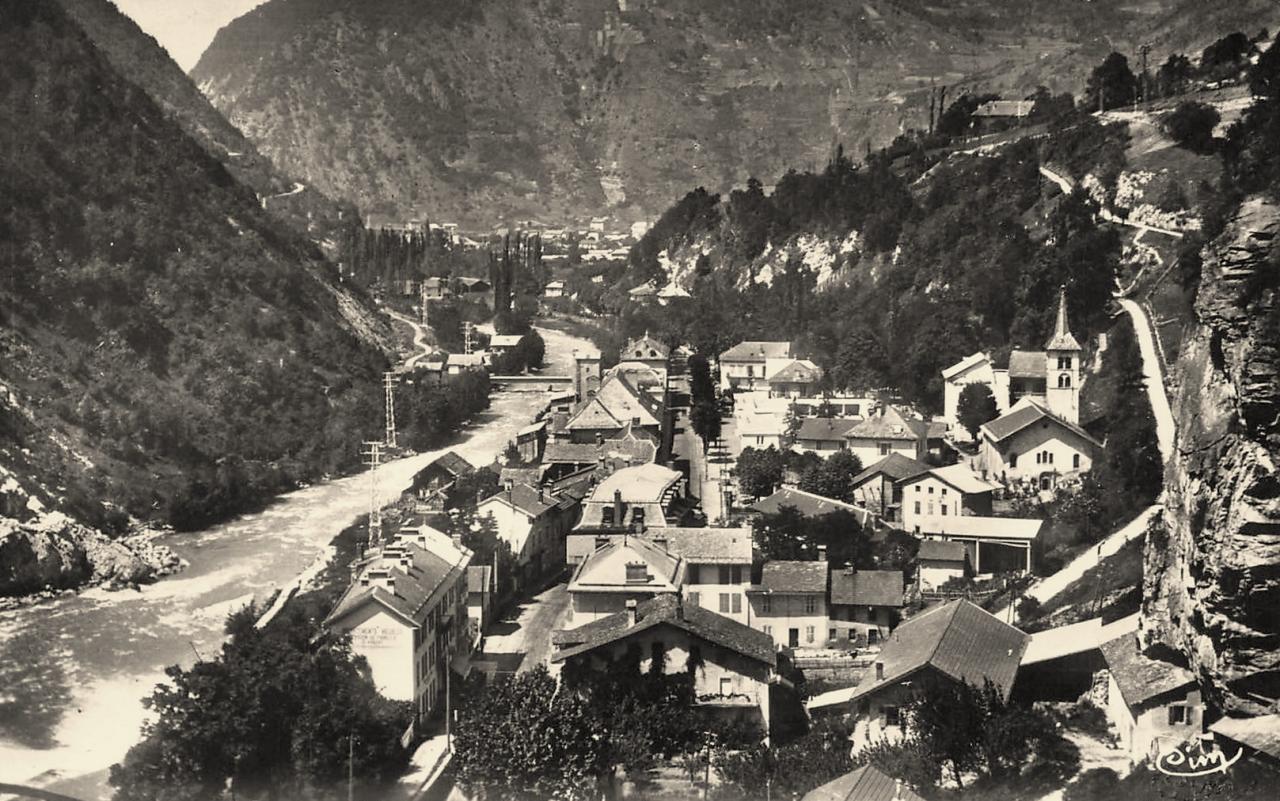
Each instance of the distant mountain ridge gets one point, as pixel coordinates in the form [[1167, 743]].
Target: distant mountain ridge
[[479, 110]]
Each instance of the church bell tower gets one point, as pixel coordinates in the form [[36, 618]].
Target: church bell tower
[[1062, 367]]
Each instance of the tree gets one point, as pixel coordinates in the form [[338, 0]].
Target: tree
[[1264, 77], [705, 418], [1191, 125], [1111, 84], [1225, 56], [833, 478], [790, 535], [760, 471], [700, 386], [976, 407], [1174, 74], [791, 426]]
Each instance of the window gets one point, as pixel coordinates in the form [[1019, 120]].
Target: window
[[810, 605], [637, 518], [944, 490], [930, 490], [724, 574], [943, 507], [853, 411], [917, 487], [751, 371], [891, 716], [884, 449], [1064, 362], [1075, 461], [917, 507], [695, 599], [1064, 381], [1013, 460], [766, 604], [724, 603], [1179, 715], [873, 636], [1039, 457], [606, 515], [726, 685], [737, 604], [931, 508], [694, 574], [831, 634], [637, 573], [768, 630], [735, 574], [808, 634]]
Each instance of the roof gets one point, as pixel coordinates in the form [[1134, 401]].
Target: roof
[[604, 569], [1075, 638], [728, 546], [797, 371], [890, 425], [525, 498], [1004, 108], [957, 476], [466, 359], [1261, 733], [964, 365], [505, 340], [480, 578], [867, 587], [644, 290], [453, 463], [808, 504], [618, 401], [667, 610], [756, 351], [1061, 338], [1026, 413], [532, 428], [644, 483], [867, 783], [942, 551], [1027, 363], [413, 586], [646, 347], [825, 428], [1139, 677], [996, 528], [593, 415], [786, 576], [895, 466], [957, 639]]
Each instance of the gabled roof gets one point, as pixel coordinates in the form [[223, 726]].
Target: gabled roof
[[646, 347], [957, 639], [1261, 733], [1004, 108], [524, 498], [707, 546], [808, 504], [756, 351], [894, 466], [453, 463], [504, 340], [867, 587], [604, 569], [1027, 364], [593, 415], [795, 371], [957, 476], [1024, 413], [466, 359], [978, 527], [964, 365], [867, 783], [942, 551], [890, 425], [825, 429], [1139, 677], [414, 585], [786, 576], [644, 483], [618, 401], [669, 610]]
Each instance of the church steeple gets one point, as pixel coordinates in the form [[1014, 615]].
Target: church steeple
[[1062, 339]]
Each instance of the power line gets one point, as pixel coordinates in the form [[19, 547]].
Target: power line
[[372, 453], [389, 387]]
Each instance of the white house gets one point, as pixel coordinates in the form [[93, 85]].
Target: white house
[[534, 523], [629, 568], [1030, 445], [790, 603], [944, 491], [1151, 703], [742, 367], [939, 561]]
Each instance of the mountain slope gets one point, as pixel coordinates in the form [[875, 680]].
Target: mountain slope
[[475, 109], [169, 350]]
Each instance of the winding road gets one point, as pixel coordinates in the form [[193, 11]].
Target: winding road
[[419, 337]]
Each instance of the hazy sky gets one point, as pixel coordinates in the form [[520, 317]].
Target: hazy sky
[[185, 27]]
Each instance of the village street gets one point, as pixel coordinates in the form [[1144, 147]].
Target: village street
[[522, 638]]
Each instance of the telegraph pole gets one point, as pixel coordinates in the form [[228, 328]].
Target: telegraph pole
[[467, 343], [389, 386], [1143, 51], [373, 457]]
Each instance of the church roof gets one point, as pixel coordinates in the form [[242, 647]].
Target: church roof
[[1062, 339]]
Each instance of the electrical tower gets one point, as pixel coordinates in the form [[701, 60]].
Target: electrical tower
[[389, 385], [422, 300], [372, 453], [467, 343]]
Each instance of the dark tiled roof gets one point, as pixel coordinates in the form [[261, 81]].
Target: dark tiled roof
[[640, 348], [784, 576], [895, 466], [942, 550], [525, 498], [1010, 423], [825, 428], [799, 371], [414, 585], [520, 475], [957, 639], [808, 504], [1139, 677], [867, 783], [453, 463], [867, 587], [1027, 364], [708, 546], [668, 609], [1261, 733]]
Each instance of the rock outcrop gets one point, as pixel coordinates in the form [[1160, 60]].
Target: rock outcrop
[[1212, 589]]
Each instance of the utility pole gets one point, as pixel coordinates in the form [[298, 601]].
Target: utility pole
[[467, 343], [389, 387], [373, 457], [1143, 51], [422, 299], [351, 767]]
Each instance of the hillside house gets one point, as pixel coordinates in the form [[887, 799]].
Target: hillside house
[[459, 363], [1031, 446], [878, 488], [944, 492], [631, 568], [939, 561], [890, 431], [431, 484], [732, 664], [790, 602], [554, 289], [866, 605], [742, 367], [534, 523], [994, 544], [1150, 702], [501, 344], [435, 288]]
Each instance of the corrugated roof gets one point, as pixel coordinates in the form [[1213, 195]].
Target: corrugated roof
[[959, 640], [667, 610], [808, 504], [1260, 733], [867, 587], [1139, 677], [825, 429], [756, 351], [1001, 528], [1025, 413], [1027, 364], [645, 483], [942, 551], [867, 783], [895, 466], [786, 576]]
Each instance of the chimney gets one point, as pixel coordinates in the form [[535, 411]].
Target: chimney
[[822, 553], [659, 540], [631, 612], [617, 506], [542, 495], [897, 790], [879, 671], [635, 421], [456, 539]]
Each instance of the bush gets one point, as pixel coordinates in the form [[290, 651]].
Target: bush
[[1191, 125]]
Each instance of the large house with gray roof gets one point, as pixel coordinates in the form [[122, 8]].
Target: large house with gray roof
[[866, 605], [790, 602], [742, 367], [534, 522], [630, 568], [1030, 445]]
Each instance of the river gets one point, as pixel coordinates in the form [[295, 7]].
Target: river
[[73, 673]]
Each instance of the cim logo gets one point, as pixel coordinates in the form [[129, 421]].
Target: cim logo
[[1190, 759]]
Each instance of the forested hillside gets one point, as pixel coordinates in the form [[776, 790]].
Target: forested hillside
[[170, 351], [471, 110]]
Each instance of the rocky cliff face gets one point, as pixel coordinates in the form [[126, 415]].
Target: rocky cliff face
[[1213, 588]]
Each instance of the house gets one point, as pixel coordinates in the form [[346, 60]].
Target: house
[[999, 115], [1064, 663], [939, 561], [1258, 737], [742, 367], [435, 288], [406, 614], [481, 589], [645, 293], [867, 783], [976, 368], [866, 605], [667, 293], [718, 563], [791, 378], [647, 495], [944, 491], [823, 435], [1150, 702], [630, 568], [809, 504], [615, 406], [554, 289], [889, 431], [856, 407], [530, 441], [597, 224], [954, 642], [504, 343], [732, 664], [879, 488], [563, 458], [790, 602], [759, 419], [643, 379], [431, 484], [647, 351], [474, 285], [586, 372], [534, 523], [994, 544], [1030, 445], [459, 363]]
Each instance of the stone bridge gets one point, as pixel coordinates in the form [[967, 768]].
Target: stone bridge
[[532, 383]]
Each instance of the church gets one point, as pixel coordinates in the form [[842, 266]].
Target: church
[[1037, 439]]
